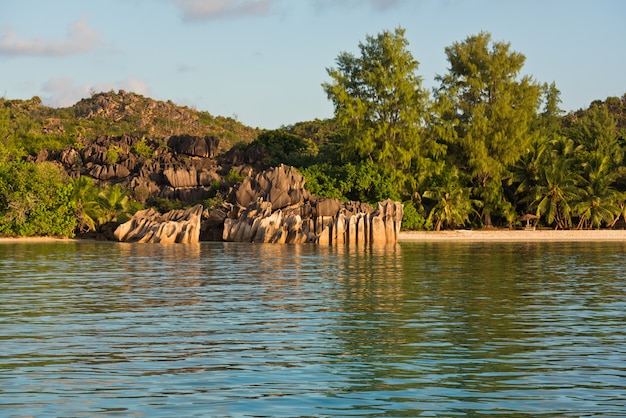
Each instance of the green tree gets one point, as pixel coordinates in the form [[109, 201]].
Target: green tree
[[95, 206], [9, 149], [596, 130], [285, 147], [379, 101], [486, 110], [115, 204], [362, 181]]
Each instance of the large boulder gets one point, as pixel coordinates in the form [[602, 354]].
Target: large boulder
[[177, 226], [181, 176], [282, 186], [194, 145]]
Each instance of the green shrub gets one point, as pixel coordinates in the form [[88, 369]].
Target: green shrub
[[412, 218], [234, 177], [36, 199], [362, 181], [113, 154], [142, 148]]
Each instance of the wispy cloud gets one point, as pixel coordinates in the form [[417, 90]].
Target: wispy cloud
[[375, 4], [195, 10], [63, 92], [80, 38], [204, 10]]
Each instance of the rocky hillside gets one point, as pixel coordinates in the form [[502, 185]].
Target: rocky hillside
[[115, 114], [141, 116]]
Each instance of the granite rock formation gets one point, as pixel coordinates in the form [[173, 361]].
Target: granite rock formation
[[274, 207], [177, 226]]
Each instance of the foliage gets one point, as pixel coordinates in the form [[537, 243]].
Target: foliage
[[96, 206], [35, 199], [362, 181], [234, 177], [557, 186], [451, 203], [284, 147], [113, 154], [412, 219], [165, 205], [597, 201], [485, 112], [142, 148], [379, 100]]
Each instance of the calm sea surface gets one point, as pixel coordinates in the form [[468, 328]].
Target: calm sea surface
[[220, 329]]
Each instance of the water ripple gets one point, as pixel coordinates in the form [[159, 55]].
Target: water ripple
[[266, 330]]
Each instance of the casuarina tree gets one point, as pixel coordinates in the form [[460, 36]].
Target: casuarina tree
[[486, 110]]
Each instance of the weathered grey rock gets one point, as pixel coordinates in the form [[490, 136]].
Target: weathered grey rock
[[194, 145], [208, 177], [274, 207], [70, 158], [282, 186], [181, 176], [177, 226], [109, 172]]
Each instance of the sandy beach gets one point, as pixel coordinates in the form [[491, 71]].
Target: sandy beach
[[513, 235]]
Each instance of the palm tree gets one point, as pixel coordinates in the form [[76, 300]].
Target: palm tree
[[96, 206], [115, 204], [598, 201], [526, 174], [453, 205], [87, 206], [558, 185]]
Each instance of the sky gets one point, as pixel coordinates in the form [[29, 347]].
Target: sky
[[263, 62]]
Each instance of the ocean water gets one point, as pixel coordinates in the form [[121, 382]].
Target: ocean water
[[224, 329]]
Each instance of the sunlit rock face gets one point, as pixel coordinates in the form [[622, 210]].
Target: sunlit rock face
[[177, 226], [274, 207], [271, 207]]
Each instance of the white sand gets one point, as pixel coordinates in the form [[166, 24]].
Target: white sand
[[514, 235]]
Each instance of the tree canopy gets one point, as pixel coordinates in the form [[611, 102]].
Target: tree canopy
[[486, 111], [379, 101]]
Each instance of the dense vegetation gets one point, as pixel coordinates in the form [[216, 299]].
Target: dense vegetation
[[486, 146], [489, 146], [40, 199]]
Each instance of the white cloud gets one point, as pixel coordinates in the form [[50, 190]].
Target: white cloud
[[211, 9], [62, 92], [80, 38]]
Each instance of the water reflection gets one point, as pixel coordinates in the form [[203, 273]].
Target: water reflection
[[232, 329]]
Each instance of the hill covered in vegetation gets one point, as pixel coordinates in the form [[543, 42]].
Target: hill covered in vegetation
[[27, 126]]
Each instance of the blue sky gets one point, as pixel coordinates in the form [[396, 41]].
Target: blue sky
[[263, 61]]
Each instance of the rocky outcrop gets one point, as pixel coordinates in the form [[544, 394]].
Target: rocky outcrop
[[186, 169], [193, 145], [274, 207], [177, 226]]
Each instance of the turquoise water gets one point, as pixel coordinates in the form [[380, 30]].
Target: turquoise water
[[222, 329]]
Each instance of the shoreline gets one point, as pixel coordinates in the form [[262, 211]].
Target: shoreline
[[505, 235], [459, 235]]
